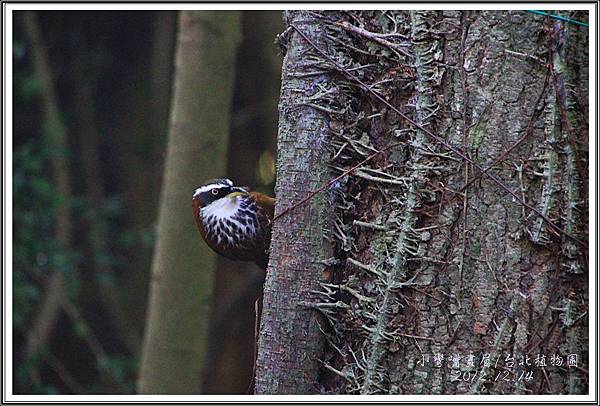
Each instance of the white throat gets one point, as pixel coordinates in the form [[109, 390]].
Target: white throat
[[224, 208]]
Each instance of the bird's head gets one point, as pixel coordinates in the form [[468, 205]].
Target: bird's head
[[215, 190]]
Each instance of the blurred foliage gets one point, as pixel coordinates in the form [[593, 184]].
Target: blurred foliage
[[118, 54], [82, 344], [35, 204], [36, 255]]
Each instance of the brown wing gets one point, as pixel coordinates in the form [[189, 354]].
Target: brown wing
[[266, 202], [265, 213], [196, 210]]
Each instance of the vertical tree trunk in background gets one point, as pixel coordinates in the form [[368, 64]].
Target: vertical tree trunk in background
[[137, 133], [290, 341], [142, 131], [230, 357], [437, 266], [55, 134], [165, 26], [174, 342]]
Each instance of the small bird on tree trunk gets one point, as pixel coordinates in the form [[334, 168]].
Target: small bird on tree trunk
[[234, 222]]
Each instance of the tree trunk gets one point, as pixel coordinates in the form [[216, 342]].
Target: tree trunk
[[174, 342], [461, 245], [290, 341]]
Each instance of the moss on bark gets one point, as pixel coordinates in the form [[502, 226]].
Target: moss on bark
[[434, 261]]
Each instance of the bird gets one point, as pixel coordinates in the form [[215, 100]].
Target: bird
[[234, 221]]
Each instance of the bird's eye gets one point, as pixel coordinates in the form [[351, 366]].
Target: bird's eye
[[214, 192]]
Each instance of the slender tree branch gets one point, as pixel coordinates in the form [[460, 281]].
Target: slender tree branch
[[46, 318], [378, 38], [65, 375]]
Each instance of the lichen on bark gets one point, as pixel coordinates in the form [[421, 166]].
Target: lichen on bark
[[290, 342], [431, 257]]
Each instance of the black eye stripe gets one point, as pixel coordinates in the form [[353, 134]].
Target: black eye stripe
[[221, 192]]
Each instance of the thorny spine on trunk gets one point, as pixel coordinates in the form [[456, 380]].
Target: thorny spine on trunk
[[381, 230]]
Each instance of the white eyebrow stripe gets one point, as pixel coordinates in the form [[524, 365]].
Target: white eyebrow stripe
[[206, 188]]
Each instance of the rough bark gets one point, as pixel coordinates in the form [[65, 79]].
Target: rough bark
[[174, 342], [506, 267], [435, 260], [290, 342]]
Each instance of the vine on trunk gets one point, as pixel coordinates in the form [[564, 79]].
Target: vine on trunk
[[394, 230]]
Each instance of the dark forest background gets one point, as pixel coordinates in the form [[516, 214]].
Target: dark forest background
[[112, 75]]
